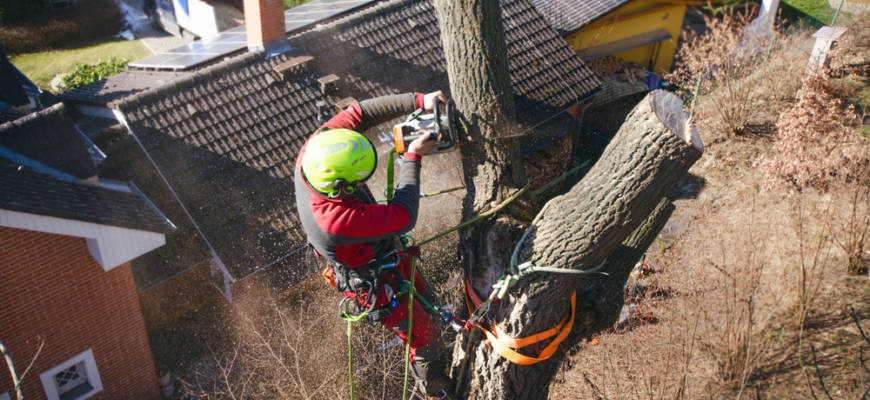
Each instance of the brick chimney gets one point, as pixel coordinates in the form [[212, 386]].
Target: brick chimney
[[264, 23]]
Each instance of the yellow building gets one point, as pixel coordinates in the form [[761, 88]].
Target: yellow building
[[641, 31]]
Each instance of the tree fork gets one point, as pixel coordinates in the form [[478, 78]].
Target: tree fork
[[653, 149], [619, 265]]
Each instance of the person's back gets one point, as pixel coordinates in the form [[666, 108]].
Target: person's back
[[357, 236]]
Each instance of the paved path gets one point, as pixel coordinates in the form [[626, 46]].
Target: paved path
[[155, 40]]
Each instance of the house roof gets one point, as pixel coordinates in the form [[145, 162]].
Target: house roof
[[12, 83], [25, 189], [49, 136], [569, 16], [10, 115], [226, 137], [396, 46], [118, 86]]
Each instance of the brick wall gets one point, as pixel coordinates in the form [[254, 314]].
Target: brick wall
[[264, 21], [52, 287]]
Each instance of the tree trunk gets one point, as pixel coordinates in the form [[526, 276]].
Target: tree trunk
[[473, 39], [577, 230], [581, 229]]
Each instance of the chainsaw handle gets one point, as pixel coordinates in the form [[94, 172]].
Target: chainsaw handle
[[437, 118]]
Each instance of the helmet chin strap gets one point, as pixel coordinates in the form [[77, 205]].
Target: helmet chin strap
[[342, 186]]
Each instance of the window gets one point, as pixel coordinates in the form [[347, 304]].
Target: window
[[73, 379], [4, 396]]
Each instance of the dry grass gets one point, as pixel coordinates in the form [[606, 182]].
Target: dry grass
[[754, 300], [296, 348], [736, 312]]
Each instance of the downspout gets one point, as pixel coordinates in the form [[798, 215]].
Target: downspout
[[123, 120]]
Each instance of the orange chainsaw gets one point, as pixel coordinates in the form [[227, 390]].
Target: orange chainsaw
[[441, 125]]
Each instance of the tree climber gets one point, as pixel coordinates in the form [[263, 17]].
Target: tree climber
[[358, 237]]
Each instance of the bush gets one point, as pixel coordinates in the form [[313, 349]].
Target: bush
[[62, 28], [822, 146], [716, 64], [818, 142], [88, 73]]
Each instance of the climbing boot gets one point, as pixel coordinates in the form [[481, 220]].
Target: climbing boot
[[429, 368], [436, 388]]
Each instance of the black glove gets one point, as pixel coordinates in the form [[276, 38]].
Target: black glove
[[352, 279]]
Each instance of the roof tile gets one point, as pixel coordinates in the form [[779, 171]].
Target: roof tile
[[568, 17], [26, 190], [50, 137], [232, 161]]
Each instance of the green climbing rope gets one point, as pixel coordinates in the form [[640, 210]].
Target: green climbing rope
[[411, 291], [694, 97], [350, 318], [478, 217], [350, 356], [430, 194], [391, 172]]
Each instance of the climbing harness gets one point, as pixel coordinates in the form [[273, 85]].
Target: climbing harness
[[352, 310], [502, 343]]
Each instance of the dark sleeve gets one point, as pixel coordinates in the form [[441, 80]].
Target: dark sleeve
[[382, 109], [408, 189], [368, 113]]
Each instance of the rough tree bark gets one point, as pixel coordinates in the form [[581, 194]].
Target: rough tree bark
[[583, 228], [588, 225], [473, 39]]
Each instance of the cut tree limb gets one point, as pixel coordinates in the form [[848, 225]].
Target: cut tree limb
[[653, 149]]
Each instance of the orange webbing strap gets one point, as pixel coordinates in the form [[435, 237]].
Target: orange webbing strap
[[471, 299], [506, 346]]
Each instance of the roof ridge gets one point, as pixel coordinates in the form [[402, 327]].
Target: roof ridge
[[58, 108], [193, 79]]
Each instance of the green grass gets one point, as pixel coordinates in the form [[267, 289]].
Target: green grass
[[817, 12], [42, 67], [294, 3]]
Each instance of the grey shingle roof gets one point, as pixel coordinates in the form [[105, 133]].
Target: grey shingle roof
[[9, 116], [118, 86], [396, 47], [568, 16], [226, 137], [50, 137], [26, 190]]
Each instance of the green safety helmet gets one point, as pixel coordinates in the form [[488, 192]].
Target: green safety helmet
[[336, 159]]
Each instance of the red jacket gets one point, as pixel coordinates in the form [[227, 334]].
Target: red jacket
[[353, 230]]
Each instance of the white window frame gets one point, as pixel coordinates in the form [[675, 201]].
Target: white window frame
[[91, 372]]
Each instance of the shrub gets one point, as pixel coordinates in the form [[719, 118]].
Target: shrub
[[716, 64], [821, 146], [88, 73], [818, 142]]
